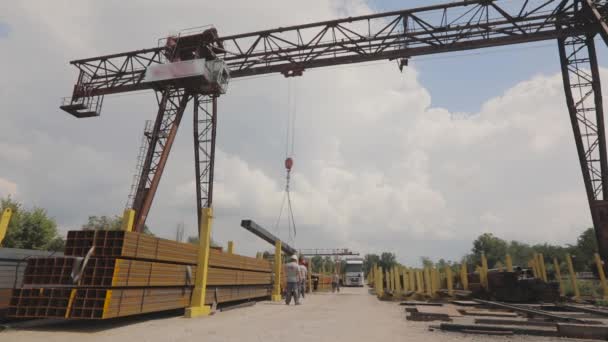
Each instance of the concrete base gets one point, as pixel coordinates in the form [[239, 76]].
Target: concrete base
[[277, 298], [197, 311]]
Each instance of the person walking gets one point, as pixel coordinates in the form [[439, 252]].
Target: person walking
[[335, 283], [292, 272], [303, 276]]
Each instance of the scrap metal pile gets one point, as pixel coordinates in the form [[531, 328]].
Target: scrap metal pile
[[107, 274]]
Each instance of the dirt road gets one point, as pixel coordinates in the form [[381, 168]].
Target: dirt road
[[352, 315]]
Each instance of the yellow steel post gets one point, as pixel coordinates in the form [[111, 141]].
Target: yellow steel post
[[309, 274], [397, 288], [420, 281], [558, 275], [532, 264], [412, 279], [437, 277], [449, 280], [4, 220], [379, 286], [600, 272], [230, 247], [197, 304], [464, 278], [278, 268], [434, 283], [541, 264], [509, 263], [387, 276], [427, 282], [577, 293], [404, 273], [484, 270], [128, 218]]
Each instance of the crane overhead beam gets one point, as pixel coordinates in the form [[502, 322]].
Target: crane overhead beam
[[199, 66], [402, 34]]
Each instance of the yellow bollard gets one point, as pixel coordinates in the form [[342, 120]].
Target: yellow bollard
[[427, 282], [128, 218], [577, 293], [509, 263], [412, 279], [197, 304], [4, 220], [558, 275], [449, 280], [464, 277], [230, 247], [278, 268], [484, 270], [541, 267], [600, 272]]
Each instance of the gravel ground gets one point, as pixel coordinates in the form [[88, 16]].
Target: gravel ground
[[351, 315]]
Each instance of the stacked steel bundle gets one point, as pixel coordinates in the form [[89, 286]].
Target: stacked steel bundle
[[106, 274]]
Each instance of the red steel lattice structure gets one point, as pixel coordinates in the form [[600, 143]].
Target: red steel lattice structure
[[398, 35]]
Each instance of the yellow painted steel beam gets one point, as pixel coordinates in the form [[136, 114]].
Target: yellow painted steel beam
[[509, 263], [406, 280], [449, 280], [309, 274], [4, 221], [230, 247], [434, 281], [427, 282], [542, 269], [378, 285], [197, 304], [278, 266], [484, 271], [128, 218], [600, 272], [398, 287], [558, 275], [464, 279], [577, 293], [420, 281]]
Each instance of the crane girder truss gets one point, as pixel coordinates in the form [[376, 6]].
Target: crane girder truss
[[398, 35]]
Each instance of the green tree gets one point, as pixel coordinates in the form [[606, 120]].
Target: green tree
[[426, 261], [582, 253], [520, 253], [317, 262], [29, 229], [387, 260], [494, 248], [369, 260]]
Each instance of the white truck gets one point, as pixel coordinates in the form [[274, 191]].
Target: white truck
[[352, 272]]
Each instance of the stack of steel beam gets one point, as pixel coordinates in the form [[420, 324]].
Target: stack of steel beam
[[12, 266], [107, 274]]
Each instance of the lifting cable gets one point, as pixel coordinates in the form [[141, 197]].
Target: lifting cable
[[289, 153]]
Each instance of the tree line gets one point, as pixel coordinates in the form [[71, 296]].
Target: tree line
[[496, 249]]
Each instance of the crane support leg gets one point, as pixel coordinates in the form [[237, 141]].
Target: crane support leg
[[584, 100], [171, 106], [205, 123]]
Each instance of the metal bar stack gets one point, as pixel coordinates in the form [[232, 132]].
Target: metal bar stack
[[108, 274]]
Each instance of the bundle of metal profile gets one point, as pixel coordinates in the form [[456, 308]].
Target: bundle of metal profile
[[91, 303], [104, 272], [112, 274], [12, 266]]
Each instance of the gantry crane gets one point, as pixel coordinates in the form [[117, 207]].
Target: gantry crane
[[196, 67]]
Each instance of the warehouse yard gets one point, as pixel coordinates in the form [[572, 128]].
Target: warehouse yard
[[351, 315]]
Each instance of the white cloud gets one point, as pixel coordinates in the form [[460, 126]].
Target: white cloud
[[7, 188]]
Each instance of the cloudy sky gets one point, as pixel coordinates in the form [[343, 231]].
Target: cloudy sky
[[418, 163]]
